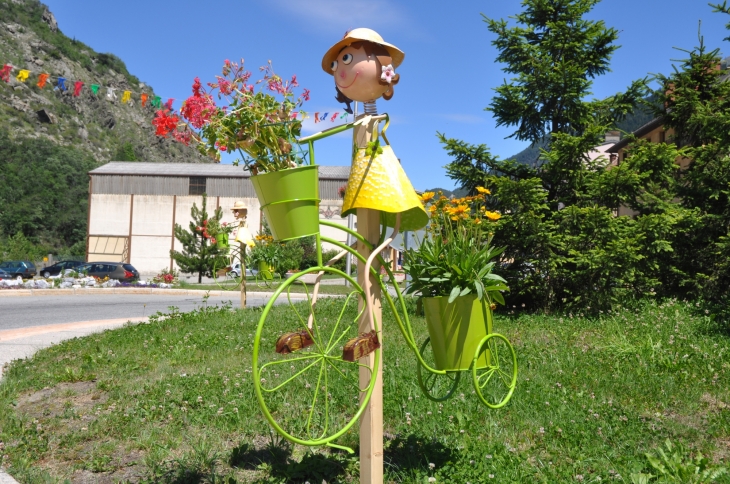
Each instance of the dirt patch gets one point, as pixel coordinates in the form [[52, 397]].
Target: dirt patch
[[713, 404], [81, 397]]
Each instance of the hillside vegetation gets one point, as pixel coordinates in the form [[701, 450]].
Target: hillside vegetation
[[45, 156]]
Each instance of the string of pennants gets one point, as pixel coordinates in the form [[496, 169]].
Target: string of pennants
[[63, 84]]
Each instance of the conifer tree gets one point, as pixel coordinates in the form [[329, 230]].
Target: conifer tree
[[198, 254]]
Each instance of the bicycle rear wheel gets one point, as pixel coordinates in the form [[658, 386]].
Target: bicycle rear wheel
[[496, 382]]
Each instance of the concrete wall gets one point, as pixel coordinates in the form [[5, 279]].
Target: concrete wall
[[154, 216]]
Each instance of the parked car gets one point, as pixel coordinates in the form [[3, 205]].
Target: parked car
[[22, 268], [60, 267], [5, 275], [113, 270], [236, 271]]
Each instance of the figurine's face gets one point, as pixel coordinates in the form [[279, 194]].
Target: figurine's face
[[357, 76], [240, 214]]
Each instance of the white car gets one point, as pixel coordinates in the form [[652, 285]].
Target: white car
[[236, 271]]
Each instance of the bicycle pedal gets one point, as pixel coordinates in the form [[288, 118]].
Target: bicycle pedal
[[291, 342], [360, 346]]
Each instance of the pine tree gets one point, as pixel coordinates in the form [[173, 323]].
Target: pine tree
[[198, 254]]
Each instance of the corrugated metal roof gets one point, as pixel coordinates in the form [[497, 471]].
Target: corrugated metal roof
[[199, 169]]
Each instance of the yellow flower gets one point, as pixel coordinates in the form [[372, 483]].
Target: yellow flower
[[484, 190], [459, 210], [432, 208], [426, 196], [492, 215], [477, 221]]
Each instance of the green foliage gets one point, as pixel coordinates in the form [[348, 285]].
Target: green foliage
[[456, 257], [554, 53], [44, 191], [675, 465], [199, 255], [18, 247], [125, 152], [290, 257], [565, 245]]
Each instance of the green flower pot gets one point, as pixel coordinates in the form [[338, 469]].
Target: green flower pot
[[265, 267], [290, 201], [221, 240], [456, 329]]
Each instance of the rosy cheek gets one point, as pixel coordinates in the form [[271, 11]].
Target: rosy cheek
[[342, 74]]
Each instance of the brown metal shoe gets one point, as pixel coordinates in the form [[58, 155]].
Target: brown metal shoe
[[290, 342], [360, 346]]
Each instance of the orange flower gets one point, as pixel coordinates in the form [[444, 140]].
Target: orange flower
[[477, 221], [484, 190], [492, 215], [432, 208], [426, 196]]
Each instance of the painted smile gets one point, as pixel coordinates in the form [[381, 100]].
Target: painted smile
[[353, 81]]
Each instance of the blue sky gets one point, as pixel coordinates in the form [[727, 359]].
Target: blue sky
[[446, 79]]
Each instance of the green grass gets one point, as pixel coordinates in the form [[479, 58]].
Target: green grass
[[173, 402], [258, 286]]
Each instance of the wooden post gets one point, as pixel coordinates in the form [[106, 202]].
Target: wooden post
[[243, 275], [371, 422]]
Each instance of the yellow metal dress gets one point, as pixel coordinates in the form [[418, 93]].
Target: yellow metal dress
[[378, 182]]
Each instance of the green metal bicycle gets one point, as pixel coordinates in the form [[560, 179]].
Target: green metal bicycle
[[309, 389]]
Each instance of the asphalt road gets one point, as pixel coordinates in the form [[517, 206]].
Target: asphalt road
[[29, 311]]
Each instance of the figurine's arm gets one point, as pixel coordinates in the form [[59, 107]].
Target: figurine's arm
[[339, 129]]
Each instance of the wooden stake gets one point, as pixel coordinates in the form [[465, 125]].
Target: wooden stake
[[243, 275], [371, 422]]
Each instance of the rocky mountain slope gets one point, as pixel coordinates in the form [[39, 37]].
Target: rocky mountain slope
[[30, 38]]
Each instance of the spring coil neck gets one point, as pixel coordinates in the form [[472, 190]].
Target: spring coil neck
[[370, 108]]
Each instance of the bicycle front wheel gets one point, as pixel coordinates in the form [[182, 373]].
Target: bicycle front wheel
[[309, 392]]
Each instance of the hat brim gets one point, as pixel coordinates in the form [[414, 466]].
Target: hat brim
[[395, 53]]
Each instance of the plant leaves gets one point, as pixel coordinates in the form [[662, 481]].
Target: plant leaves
[[454, 293]]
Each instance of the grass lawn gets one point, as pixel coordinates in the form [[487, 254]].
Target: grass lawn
[[173, 402], [253, 286]]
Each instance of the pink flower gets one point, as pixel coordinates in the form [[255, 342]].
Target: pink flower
[[212, 240], [198, 108], [305, 95], [294, 82], [388, 73], [225, 224]]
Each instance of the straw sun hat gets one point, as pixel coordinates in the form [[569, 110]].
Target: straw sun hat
[[356, 35], [239, 205]]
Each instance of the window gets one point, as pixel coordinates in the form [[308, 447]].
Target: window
[[197, 185]]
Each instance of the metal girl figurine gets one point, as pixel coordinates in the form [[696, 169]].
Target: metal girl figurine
[[363, 66]]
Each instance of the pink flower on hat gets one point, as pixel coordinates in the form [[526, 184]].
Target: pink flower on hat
[[388, 73]]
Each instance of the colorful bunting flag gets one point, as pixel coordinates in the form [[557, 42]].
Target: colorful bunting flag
[[324, 117], [143, 97], [157, 102], [110, 94], [334, 116], [94, 88], [344, 115], [61, 83], [23, 75], [5, 72], [316, 118], [126, 97], [169, 102], [42, 79], [77, 88]]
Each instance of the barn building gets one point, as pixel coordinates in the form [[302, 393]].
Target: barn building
[[134, 206]]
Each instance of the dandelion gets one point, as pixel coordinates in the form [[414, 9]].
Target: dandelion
[[431, 465]]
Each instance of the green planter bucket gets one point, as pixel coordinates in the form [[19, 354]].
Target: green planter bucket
[[456, 329], [221, 240], [265, 267], [290, 201]]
